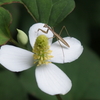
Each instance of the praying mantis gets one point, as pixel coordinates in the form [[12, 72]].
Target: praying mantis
[[55, 34]]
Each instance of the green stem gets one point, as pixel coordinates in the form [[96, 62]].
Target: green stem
[[16, 43], [58, 97]]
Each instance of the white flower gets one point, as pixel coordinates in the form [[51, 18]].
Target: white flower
[[49, 77]]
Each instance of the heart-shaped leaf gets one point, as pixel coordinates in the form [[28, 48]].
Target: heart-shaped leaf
[[49, 11]]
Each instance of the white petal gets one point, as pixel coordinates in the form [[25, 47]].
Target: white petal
[[64, 54], [33, 33], [15, 59], [52, 80]]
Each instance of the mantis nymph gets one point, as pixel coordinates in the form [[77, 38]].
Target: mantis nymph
[[55, 34]]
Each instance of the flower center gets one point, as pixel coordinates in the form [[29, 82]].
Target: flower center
[[42, 50]]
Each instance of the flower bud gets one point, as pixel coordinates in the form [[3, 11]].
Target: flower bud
[[22, 37]]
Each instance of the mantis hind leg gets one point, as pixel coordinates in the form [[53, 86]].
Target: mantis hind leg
[[62, 50], [64, 27], [59, 41]]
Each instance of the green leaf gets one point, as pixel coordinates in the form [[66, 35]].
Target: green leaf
[[10, 87], [5, 20], [50, 12], [15, 13]]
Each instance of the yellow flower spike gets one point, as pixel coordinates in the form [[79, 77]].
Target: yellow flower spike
[[45, 58], [49, 51], [41, 50], [41, 58], [50, 56]]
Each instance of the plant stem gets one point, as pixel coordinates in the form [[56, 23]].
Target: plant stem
[[14, 42], [58, 97]]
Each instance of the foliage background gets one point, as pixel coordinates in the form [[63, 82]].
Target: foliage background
[[84, 24]]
